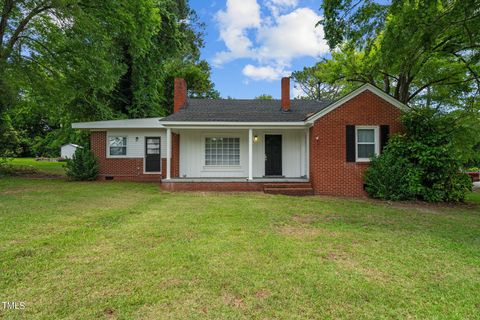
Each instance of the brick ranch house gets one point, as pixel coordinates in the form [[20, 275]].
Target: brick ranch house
[[278, 146]]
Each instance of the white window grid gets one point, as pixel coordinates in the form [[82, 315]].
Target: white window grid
[[222, 151]]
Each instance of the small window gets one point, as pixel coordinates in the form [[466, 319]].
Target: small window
[[222, 151], [367, 143], [117, 146]]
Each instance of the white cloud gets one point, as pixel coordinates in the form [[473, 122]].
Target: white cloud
[[285, 3], [272, 40], [267, 73], [239, 16], [294, 35], [277, 6]]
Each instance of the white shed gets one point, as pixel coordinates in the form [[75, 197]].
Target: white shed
[[67, 150]]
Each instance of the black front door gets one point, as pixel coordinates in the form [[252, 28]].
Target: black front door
[[273, 155], [152, 154]]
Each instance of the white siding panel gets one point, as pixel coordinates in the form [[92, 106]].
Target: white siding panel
[[293, 152], [136, 149], [192, 154]]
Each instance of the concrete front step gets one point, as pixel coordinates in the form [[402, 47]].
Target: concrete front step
[[290, 191]]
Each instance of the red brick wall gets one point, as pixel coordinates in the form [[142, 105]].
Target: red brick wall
[[330, 173], [179, 94], [130, 169], [175, 162], [286, 93], [213, 186], [164, 168]]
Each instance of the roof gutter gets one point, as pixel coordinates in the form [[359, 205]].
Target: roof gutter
[[212, 124]]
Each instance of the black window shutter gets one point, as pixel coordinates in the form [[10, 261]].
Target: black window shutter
[[350, 143], [384, 135]]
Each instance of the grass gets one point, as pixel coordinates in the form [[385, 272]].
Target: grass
[[43, 166], [126, 250]]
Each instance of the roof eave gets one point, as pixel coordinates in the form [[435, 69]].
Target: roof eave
[[147, 123], [216, 124]]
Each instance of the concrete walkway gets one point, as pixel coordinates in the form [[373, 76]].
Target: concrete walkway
[[476, 185]]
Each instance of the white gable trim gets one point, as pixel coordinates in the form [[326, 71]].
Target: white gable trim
[[120, 124], [352, 95]]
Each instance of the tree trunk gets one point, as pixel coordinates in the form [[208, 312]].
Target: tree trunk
[[402, 89], [386, 83]]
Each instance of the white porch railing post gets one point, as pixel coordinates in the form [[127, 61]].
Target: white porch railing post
[[250, 154], [169, 152], [307, 152]]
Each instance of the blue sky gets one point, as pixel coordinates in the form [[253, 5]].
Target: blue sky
[[251, 44]]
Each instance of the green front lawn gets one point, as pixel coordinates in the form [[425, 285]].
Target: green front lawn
[[127, 250], [43, 166]]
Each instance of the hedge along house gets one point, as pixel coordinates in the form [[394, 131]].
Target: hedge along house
[[278, 146]]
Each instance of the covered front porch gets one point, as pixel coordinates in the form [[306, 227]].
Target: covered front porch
[[218, 154]]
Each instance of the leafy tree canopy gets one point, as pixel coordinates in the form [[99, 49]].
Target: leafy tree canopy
[[80, 60], [422, 52]]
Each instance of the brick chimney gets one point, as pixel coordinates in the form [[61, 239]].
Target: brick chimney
[[179, 94], [285, 94]]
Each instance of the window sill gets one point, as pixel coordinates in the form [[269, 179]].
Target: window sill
[[364, 161]]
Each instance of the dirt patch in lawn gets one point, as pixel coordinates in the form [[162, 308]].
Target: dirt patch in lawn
[[306, 218], [348, 262], [233, 300], [263, 294], [109, 313], [301, 231], [303, 227]]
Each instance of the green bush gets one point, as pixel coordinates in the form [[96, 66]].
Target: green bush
[[83, 166], [424, 163], [391, 177]]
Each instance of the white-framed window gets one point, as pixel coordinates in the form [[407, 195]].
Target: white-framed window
[[222, 151], [117, 146], [367, 142]]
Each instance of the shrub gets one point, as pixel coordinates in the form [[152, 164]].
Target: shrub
[[424, 163], [83, 166], [391, 177]]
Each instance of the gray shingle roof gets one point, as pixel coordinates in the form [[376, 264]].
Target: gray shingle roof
[[231, 110]]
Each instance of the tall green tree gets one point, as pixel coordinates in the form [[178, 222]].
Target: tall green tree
[[425, 51], [60, 56], [320, 82], [145, 89], [81, 60]]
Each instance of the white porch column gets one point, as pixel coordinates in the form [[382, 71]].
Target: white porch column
[[169, 152], [307, 152], [250, 154]]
